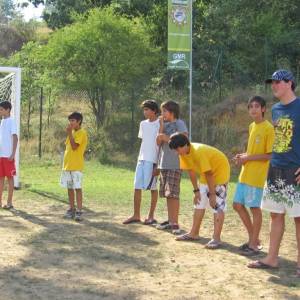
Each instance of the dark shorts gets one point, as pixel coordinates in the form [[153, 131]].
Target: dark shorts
[[282, 194], [169, 183], [7, 167]]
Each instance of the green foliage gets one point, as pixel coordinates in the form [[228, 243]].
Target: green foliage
[[101, 54]]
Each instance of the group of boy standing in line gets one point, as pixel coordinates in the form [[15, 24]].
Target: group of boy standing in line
[[269, 177]]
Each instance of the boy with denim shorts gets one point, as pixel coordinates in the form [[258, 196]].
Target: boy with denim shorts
[[213, 167], [8, 146], [255, 164], [170, 173], [145, 178], [71, 177]]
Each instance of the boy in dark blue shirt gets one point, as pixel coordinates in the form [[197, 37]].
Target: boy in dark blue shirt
[[282, 194]]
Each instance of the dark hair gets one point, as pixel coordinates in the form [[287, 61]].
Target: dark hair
[[172, 107], [293, 86], [6, 105], [178, 140], [151, 104], [260, 100], [76, 116]]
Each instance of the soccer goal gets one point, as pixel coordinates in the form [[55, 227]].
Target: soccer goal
[[10, 90]]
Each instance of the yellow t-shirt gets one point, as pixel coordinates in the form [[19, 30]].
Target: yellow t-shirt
[[203, 158], [73, 159], [261, 139]]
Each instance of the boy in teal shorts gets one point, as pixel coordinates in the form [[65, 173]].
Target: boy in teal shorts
[[255, 164]]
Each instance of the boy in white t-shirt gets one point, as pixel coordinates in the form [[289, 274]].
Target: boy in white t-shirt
[[8, 146], [145, 178]]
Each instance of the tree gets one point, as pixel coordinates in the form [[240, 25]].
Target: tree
[[101, 54], [29, 58]]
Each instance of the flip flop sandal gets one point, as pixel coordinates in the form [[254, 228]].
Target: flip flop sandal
[[7, 207], [212, 244], [150, 222], [186, 237], [131, 221], [260, 265], [249, 251], [246, 245]]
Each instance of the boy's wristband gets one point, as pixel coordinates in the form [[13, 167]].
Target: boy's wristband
[[196, 190]]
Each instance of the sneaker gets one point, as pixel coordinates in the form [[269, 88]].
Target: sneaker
[[164, 226], [70, 213], [78, 216], [176, 229]]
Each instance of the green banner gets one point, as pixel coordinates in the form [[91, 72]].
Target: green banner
[[179, 34]]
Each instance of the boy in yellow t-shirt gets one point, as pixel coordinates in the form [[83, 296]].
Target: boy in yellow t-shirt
[[213, 167], [255, 164], [71, 177]]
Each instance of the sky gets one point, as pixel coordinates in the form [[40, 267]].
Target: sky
[[31, 12]]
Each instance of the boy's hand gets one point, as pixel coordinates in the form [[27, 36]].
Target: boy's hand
[[162, 137], [155, 172], [243, 158], [161, 120], [197, 198], [212, 200], [69, 129]]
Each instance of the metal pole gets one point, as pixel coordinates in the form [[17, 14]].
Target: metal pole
[[41, 123], [191, 70]]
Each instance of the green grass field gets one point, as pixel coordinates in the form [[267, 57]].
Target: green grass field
[[44, 256]]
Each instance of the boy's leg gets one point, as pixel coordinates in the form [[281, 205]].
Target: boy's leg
[[276, 234], [197, 220], [10, 190], [1, 189], [137, 198], [218, 225], [173, 210], [245, 217], [297, 224], [79, 199], [257, 221], [71, 195], [154, 197]]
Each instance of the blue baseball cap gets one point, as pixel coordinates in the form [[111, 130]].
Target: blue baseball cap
[[281, 75]]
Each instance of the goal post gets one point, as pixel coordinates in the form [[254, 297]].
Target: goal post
[[10, 90]]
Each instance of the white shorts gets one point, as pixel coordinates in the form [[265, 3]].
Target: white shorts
[[143, 179], [221, 196], [282, 194], [71, 179], [270, 205]]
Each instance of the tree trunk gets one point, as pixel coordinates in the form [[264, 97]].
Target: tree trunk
[[97, 100]]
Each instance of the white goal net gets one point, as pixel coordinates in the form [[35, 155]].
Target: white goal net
[[10, 90]]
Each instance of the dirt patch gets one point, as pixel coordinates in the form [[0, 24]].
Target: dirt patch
[[43, 256]]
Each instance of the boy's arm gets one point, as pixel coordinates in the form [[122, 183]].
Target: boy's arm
[[14, 148], [194, 181], [160, 131], [211, 188], [242, 159], [74, 145]]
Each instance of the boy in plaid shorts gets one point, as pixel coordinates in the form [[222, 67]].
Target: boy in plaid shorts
[[213, 167], [168, 164]]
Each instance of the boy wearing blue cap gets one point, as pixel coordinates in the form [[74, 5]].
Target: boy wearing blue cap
[[282, 194]]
